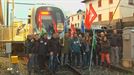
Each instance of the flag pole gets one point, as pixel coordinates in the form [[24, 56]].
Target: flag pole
[[64, 31], [91, 54]]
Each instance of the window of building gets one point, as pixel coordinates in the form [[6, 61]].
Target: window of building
[[72, 18], [131, 2], [99, 17], [110, 16], [78, 17], [110, 1], [78, 25], [99, 3], [75, 25], [29, 21]]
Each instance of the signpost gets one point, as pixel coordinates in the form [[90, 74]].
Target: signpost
[[8, 48], [8, 51]]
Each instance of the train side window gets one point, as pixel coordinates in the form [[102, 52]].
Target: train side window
[[29, 15], [29, 21]]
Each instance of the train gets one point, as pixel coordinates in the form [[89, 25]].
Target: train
[[41, 18], [44, 18]]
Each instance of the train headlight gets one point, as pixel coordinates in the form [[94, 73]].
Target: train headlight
[[45, 13]]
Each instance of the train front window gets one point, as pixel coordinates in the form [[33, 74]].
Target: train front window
[[58, 16], [46, 20]]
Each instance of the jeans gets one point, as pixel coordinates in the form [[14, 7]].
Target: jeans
[[64, 59], [41, 61], [53, 63], [32, 62], [76, 58], [115, 55], [86, 58]]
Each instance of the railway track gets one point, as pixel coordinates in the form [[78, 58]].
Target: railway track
[[121, 69], [99, 70], [74, 70]]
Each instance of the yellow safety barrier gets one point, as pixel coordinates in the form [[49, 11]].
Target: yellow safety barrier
[[127, 63], [14, 60]]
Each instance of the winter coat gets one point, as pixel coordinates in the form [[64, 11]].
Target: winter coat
[[43, 47], [66, 45], [54, 46], [105, 46], [114, 40], [75, 45], [28, 46], [35, 47]]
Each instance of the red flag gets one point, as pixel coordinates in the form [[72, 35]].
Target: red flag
[[55, 26], [90, 16], [92, 11], [87, 18], [40, 22], [73, 30]]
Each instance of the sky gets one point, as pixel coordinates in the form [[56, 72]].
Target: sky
[[68, 6]]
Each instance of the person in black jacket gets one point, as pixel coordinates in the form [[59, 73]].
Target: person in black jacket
[[42, 52], [28, 46], [35, 49], [54, 51], [115, 43]]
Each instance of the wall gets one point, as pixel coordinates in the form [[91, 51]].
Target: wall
[[124, 9], [76, 21]]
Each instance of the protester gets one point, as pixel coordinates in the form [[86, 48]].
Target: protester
[[75, 48], [54, 50], [87, 50], [65, 49], [29, 45], [114, 39], [105, 48], [42, 52]]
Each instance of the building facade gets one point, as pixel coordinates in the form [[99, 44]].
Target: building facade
[[111, 11], [76, 19]]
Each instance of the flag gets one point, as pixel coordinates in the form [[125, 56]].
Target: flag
[[40, 23], [90, 16], [65, 29], [94, 41], [54, 26], [43, 32], [82, 26], [92, 11], [65, 25], [73, 30], [87, 18], [50, 30]]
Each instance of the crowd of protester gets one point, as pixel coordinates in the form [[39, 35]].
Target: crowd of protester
[[76, 51]]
